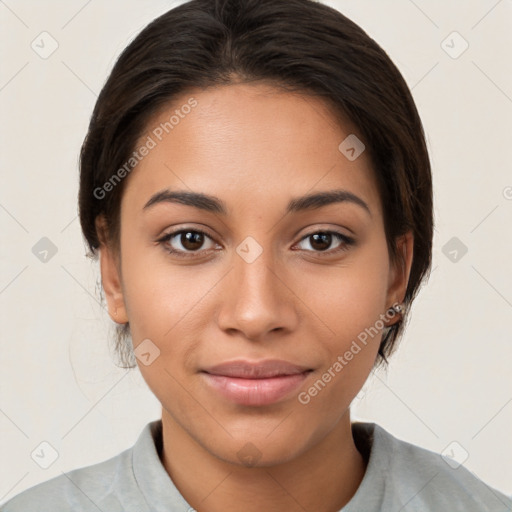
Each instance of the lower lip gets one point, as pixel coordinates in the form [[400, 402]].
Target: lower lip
[[255, 391]]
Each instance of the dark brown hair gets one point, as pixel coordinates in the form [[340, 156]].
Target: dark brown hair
[[301, 45]]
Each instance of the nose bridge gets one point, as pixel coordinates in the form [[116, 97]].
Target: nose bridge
[[254, 267], [257, 302]]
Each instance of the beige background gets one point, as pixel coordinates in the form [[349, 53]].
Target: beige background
[[451, 379]]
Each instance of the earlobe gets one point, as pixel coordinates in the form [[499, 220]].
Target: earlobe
[[400, 271], [110, 276]]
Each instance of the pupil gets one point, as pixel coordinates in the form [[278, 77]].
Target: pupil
[[324, 239], [192, 240]]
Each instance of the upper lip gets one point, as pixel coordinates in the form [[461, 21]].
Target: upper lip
[[256, 370]]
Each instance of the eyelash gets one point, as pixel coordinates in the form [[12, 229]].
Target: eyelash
[[347, 242]]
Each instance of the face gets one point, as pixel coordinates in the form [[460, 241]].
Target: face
[[254, 272]]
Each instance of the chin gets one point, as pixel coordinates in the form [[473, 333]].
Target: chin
[[260, 447]]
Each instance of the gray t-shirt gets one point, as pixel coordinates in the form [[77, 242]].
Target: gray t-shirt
[[399, 477]]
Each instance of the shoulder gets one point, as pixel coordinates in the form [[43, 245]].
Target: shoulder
[[90, 488], [420, 479]]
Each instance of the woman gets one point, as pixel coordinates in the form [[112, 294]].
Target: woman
[[256, 184]]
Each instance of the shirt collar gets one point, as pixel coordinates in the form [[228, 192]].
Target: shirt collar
[[371, 441], [153, 480], [160, 492]]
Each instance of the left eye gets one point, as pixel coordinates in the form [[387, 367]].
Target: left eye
[[321, 240]]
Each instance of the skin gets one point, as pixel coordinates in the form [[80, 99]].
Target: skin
[[255, 147]]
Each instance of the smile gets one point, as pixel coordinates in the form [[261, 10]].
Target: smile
[[255, 384]]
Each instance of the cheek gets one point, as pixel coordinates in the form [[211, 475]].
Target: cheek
[[165, 304], [351, 303], [164, 301], [351, 296]]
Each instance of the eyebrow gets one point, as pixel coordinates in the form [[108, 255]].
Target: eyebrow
[[215, 205]]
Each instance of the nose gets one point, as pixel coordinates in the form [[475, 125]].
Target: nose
[[256, 299]]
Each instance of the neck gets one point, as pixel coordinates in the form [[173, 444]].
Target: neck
[[323, 478]]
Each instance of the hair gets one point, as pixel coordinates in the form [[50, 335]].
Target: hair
[[299, 45]]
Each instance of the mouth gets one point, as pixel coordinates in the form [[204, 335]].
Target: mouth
[[255, 383]]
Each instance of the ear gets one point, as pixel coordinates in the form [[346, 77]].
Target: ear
[[111, 275], [400, 270]]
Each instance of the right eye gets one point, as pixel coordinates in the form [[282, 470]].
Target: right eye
[[190, 240]]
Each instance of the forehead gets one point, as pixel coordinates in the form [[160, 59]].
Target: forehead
[[248, 143]]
